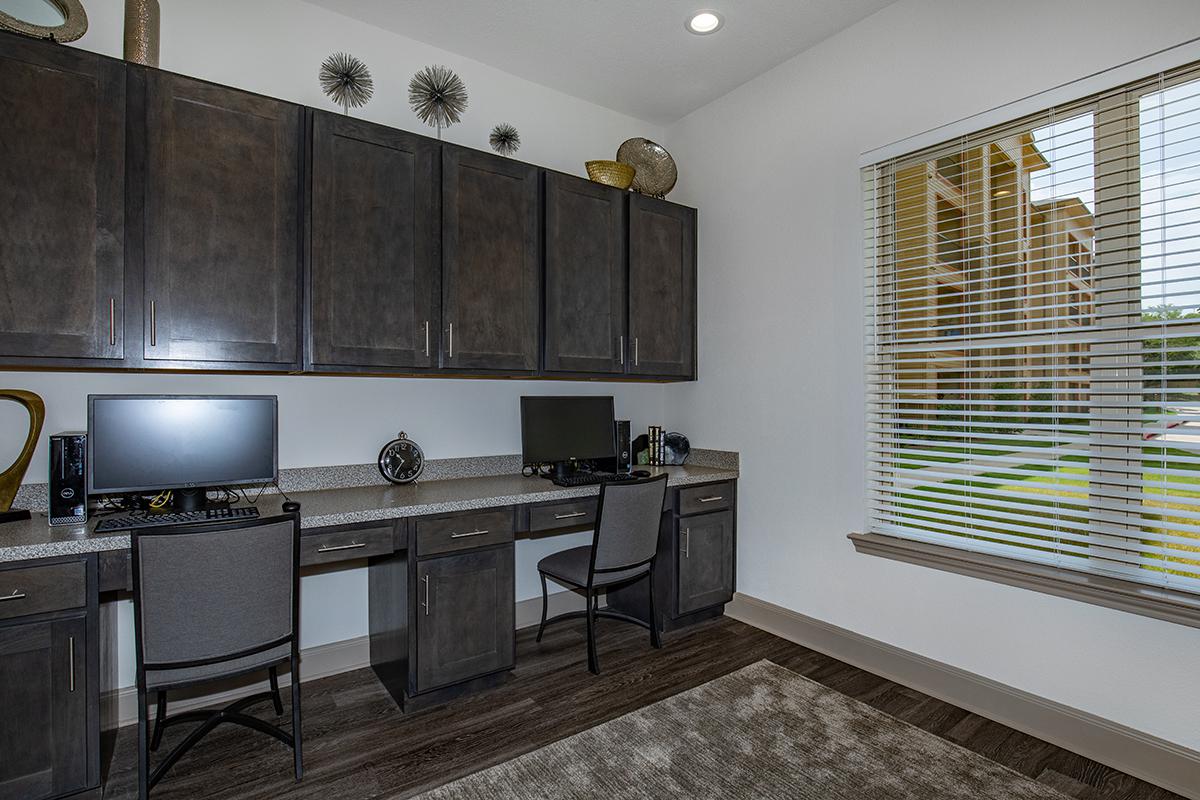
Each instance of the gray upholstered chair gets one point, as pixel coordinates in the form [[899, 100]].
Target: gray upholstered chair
[[212, 602], [623, 549]]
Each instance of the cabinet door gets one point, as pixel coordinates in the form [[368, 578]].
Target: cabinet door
[[222, 200], [62, 202], [585, 276], [465, 608], [491, 261], [662, 288], [705, 561], [375, 264], [43, 729]]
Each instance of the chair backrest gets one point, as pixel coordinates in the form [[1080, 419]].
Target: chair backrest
[[204, 594], [627, 523]]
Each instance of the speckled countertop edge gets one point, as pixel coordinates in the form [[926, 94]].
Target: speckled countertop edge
[[81, 539]]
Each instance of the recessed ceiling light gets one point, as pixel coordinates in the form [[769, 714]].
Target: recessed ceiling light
[[705, 22]]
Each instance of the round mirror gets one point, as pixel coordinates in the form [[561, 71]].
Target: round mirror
[[60, 20]]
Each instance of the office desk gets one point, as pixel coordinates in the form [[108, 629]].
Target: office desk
[[441, 592]]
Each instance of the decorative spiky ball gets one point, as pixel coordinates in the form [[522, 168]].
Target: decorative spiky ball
[[504, 139], [346, 80], [438, 96]]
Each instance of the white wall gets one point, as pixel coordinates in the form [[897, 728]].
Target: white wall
[[275, 47], [772, 167]]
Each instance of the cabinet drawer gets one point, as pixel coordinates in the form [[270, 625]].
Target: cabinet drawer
[[48, 587], [701, 499], [575, 514], [463, 532], [323, 548]]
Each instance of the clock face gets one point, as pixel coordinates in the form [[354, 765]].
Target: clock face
[[401, 460]]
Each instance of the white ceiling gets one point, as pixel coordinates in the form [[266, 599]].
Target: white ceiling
[[632, 56]]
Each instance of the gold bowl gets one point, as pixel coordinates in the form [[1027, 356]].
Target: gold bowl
[[611, 173]]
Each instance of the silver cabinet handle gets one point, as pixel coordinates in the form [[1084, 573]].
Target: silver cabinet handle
[[16, 595], [331, 548], [571, 516], [71, 658], [112, 321], [712, 499], [621, 348], [153, 325], [451, 340], [468, 533], [425, 580], [636, 360], [427, 338], [687, 542]]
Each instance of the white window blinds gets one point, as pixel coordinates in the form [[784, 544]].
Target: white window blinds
[[1033, 337]]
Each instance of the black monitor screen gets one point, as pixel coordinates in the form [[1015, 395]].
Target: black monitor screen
[[562, 428], [142, 443]]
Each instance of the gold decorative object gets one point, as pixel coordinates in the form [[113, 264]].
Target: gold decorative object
[[73, 26], [656, 172], [10, 479], [141, 32], [611, 173]]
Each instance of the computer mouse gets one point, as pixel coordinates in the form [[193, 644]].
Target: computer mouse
[[640, 473], [290, 506]]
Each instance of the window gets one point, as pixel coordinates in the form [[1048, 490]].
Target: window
[[1033, 341]]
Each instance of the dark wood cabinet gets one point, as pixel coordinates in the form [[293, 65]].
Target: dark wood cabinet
[[662, 288], [491, 261], [465, 608], [704, 561], [585, 276], [62, 201], [375, 262], [222, 225]]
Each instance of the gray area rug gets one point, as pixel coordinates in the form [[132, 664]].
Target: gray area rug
[[760, 732]]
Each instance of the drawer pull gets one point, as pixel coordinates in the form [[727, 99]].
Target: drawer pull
[[687, 542], [712, 499], [331, 548], [468, 533], [425, 580], [16, 595], [71, 658], [571, 516]]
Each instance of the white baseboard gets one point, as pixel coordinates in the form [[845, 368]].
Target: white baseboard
[[1155, 760], [315, 663]]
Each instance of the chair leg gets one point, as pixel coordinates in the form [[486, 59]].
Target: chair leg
[[655, 641], [143, 748], [545, 603], [296, 718], [593, 661], [273, 675], [160, 716]]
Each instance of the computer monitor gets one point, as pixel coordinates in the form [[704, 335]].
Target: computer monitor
[[559, 430], [186, 443]]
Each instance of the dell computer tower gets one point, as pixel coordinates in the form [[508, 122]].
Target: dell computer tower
[[68, 478]]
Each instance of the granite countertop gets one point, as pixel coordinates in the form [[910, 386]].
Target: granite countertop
[[35, 538]]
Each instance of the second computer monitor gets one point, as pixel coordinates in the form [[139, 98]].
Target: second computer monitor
[[558, 430]]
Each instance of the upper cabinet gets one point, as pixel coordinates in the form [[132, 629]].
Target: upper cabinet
[[222, 225], [375, 262], [62, 201], [491, 260], [662, 288], [585, 277]]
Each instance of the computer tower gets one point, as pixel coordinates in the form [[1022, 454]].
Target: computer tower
[[68, 478], [624, 447]]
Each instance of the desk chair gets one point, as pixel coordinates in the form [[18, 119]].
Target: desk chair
[[623, 549], [213, 602]]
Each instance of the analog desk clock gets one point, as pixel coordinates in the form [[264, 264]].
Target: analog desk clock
[[401, 460]]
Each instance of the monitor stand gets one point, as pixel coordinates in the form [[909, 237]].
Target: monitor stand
[[562, 469], [193, 499]]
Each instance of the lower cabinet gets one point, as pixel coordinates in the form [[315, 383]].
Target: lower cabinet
[[44, 696], [704, 561], [464, 616]]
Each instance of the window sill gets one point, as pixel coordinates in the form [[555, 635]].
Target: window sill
[[1170, 605]]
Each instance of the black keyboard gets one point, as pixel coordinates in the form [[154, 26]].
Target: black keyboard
[[591, 478], [155, 519]]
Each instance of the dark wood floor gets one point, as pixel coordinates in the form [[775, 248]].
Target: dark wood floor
[[357, 744]]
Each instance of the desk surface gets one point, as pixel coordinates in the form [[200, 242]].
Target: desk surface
[[35, 538]]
